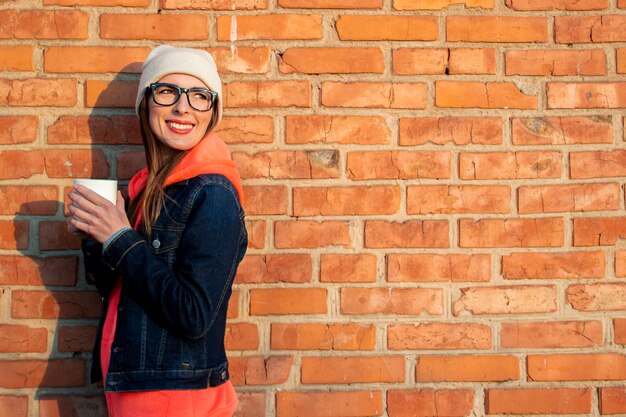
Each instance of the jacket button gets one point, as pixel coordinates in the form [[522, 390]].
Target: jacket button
[[117, 349], [223, 375], [156, 244]]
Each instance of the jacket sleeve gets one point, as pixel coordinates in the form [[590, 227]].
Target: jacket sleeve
[[97, 272], [187, 297]]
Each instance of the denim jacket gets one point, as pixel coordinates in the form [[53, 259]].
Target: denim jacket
[[176, 284]]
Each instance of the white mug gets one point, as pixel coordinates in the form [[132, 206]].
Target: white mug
[[105, 188]]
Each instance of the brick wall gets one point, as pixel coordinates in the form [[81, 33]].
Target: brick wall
[[434, 194]]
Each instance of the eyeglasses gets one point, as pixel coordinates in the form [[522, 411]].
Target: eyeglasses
[[200, 99]]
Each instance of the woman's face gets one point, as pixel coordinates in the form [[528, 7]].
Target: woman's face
[[179, 126]]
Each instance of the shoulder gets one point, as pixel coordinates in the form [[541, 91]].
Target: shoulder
[[212, 190]]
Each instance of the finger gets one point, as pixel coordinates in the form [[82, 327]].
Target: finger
[[119, 203]]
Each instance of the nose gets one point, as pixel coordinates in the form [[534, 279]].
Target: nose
[[182, 105]]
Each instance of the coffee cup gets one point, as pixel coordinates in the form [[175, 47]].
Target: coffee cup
[[105, 188]]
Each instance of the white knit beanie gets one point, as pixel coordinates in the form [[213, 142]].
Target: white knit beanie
[[165, 59]]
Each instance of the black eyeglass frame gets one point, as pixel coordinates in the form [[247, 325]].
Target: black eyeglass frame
[[186, 91]]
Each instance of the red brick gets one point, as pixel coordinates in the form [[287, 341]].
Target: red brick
[[267, 94], [76, 338], [568, 198], [288, 164], [76, 163], [286, 267], [621, 60], [374, 95], [30, 200], [214, 4], [472, 61], [335, 267], [550, 335], [454, 199], [387, 27], [555, 63], [621, 4], [20, 164], [601, 95], [29, 270], [467, 368], [154, 26], [345, 201], [14, 234], [362, 130], [483, 95], [14, 406], [55, 304], [18, 338], [311, 234], [332, 60], [256, 233], [16, 58], [38, 92], [440, 4], [458, 130], [493, 233], [398, 165], [597, 297], [94, 59], [506, 300], [251, 404], [535, 265], [577, 367], [43, 24], [246, 129], [265, 200], [129, 163], [574, 130], [269, 26], [331, 4], [242, 60], [287, 301], [110, 93], [430, 402], [438, 268], [413, 301], [409, 234], [586, 29], [557, 5], [314, 336], [350, 370], [407, 61], [54, 235], [72, 405], [620, 263], [538, 401], [42, 373], [599, 231], [257, 370], [613, 399], [321, 404], [87, 130], [496, 29], [233, 305], [241, 336], [439, 336], [597, 164], [510, 165], [18, 129]]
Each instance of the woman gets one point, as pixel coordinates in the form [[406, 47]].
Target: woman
[[165, 266]]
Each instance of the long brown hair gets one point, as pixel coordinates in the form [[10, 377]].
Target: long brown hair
[[151, 200]]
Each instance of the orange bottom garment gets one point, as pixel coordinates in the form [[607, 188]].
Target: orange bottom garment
[[220, 401]]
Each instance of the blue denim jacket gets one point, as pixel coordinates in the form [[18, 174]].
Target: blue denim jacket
[[176, 284]]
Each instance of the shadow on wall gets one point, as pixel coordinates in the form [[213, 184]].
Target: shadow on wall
[[53, 258]]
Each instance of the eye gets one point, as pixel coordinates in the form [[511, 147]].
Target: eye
[[164, 90], [201, 96]]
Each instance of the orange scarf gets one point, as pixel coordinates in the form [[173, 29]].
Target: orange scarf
[[209, 156]]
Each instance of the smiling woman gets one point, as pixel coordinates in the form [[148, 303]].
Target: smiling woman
[[166, 280]]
